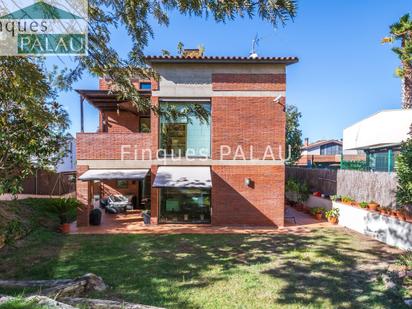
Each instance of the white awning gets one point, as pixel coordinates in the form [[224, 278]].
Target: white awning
[[183, 177], [136, 174]]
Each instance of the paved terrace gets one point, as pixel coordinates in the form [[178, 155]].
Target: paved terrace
[[132, 223]]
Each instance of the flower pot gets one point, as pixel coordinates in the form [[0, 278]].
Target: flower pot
[[65, 228], [401, 216], [318, 216], [373, 206], [333, 220]]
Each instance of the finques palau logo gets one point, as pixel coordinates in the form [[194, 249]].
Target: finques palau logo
[[49, 27]]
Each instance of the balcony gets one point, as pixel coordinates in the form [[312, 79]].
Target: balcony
[[108, 146]]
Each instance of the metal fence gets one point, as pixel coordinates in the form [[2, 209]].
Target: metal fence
[[359, 185]]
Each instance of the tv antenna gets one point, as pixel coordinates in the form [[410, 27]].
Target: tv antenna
[[255, 44]]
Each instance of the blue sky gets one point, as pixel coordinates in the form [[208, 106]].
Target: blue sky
[[344, 73]]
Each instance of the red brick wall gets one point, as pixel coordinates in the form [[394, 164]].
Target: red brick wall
[[105, 146], [122, 122], [234, 203], [250, 82], [83, 196], [247, 121], [109, 187], [104, 84]]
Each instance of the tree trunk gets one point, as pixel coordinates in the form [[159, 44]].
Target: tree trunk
[[407, 86], [102, 304]]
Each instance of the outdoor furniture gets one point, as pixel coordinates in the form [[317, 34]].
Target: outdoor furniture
[[119, 203], [289, 216]]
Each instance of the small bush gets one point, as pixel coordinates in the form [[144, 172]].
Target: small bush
[[333, 213]]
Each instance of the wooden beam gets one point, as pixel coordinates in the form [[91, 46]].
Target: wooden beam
[[81, 114]]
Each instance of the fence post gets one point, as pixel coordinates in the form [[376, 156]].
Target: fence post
[[390, 160]]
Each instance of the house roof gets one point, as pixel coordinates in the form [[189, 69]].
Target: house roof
[[321, 143], [386, 128], [221, 59]]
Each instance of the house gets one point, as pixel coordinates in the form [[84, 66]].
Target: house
[[230, 170], [326, 153], [380, 137], [67, 164]]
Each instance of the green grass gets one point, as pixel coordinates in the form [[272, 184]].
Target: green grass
[[327, 268], [20, 303]]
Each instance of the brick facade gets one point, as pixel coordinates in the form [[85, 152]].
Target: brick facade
[[261, 203], [249, 82], [247, 121], [108, 146], [255, 122], [83, 195]]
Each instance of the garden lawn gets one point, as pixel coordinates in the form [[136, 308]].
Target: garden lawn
[[326, 268]]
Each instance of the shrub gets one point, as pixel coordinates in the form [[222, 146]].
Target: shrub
[[64, 208], [301, 189], [404, 172]]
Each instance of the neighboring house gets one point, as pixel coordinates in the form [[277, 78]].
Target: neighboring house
[[246, 101], [380, 136], [326, 153], [68, 162]]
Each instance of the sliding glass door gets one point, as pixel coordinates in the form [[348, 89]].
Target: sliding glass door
[[184, 205]]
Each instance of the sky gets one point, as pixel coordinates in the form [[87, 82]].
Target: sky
[[344, 74]]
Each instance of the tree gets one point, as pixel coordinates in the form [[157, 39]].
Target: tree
[[404, 172], [32, 123], [402, 31], [293, 134], [134, 16]]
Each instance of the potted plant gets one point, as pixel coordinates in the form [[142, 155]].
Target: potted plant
[[401, 214], [146, 216], [347, 200], [64, 208], [384, 210], [332, 215], [335, 198], [317, 212], [373, 205], [363, 205]]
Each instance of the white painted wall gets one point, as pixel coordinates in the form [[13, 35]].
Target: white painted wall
[[68, 162], [383, 228], [389, 127]]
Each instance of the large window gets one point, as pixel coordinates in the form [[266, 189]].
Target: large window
[[184, 205], [187, 135], [331, 149]]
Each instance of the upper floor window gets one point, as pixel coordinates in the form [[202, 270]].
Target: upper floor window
[[331, 149], [145, 85], [187, 135]]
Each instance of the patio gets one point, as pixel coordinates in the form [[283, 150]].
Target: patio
[[132, 223]]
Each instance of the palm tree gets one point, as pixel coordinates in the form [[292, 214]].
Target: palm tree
[[402, 31]]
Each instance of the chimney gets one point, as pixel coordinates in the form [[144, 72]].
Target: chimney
[[306, 143], [192, 52]]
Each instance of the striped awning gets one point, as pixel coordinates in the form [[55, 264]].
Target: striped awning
[[183, 177], [135, 174]]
